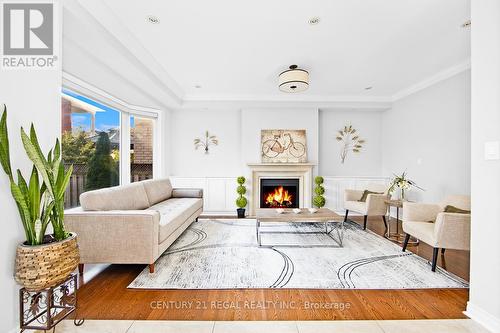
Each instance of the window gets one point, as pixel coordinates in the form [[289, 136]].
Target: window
[[98, 141], [91, 143], [141, 148]]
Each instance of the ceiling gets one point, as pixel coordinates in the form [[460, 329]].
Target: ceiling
[[235, 50]]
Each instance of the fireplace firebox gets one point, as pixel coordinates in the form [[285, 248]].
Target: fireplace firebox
[[279, 193]]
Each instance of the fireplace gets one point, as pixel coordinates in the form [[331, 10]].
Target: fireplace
[[279, 193], [297, 172]]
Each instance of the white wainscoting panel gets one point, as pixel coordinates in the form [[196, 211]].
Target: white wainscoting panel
[[335, 187], [220, 192]]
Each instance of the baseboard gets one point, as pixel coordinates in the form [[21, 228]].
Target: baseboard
[[482, 317]]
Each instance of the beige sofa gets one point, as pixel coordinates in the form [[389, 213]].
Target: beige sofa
[[132, 224]]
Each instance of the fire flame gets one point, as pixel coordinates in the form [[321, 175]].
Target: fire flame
[[280, 197]]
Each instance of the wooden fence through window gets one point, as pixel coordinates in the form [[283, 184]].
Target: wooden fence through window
[[78, 180]]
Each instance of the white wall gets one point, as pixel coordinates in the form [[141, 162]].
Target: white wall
[[255, 120], [238, 132], [428, 134], [30, 96], [484, 304], [432, 144], [369, 127], [223, 160]]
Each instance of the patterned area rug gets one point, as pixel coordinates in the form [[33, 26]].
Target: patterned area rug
[[223, 254]]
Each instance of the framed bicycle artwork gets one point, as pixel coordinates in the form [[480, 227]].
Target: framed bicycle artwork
[[283, 146]]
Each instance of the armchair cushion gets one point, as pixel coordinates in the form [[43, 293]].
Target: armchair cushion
[[352, 195], [356, 206], [452, 231], [453, 209], [375, 204], [424, 231], [420, 212], [365, 195]]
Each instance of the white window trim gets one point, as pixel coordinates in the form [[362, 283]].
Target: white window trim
[[126, 110]]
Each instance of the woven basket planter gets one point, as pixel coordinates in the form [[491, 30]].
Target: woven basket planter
[[44, 266]]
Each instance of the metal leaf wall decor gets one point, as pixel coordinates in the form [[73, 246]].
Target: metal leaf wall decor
[[207, 141], [350, 140]]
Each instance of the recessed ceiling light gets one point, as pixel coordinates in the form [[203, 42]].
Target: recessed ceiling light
[[369, 88], [314, 20], [466, 24], [153, 19]]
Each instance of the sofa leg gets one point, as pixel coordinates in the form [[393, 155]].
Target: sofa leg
[[346, 213], [405, 244], [434, 258], [364, 222], [442, 251], [151, 268], [80, 269], [385, 222], [196, 219]]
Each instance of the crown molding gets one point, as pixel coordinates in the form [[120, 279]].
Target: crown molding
[[118, 35], [77, 85], [432, 80], [296, 101], [82, 50]]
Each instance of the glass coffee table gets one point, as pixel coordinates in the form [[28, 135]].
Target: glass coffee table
[[331, 222]]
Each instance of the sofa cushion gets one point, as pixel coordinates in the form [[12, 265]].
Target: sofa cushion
[[127, 197], [158, 190], [173, 213]]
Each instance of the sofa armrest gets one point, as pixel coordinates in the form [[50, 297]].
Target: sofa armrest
[[452, 230], [352, 195], [375, 204], [116, 236], [187, 193], [420, 212]]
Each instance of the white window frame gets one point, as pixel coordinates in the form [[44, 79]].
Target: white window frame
[[126, 110]]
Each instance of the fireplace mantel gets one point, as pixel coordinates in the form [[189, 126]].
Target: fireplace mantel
[[280, 165], [302, 171]]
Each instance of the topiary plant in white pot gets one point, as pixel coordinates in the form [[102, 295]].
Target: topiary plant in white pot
[[241, 201]]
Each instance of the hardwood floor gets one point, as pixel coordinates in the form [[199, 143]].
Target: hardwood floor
[[105, 296]]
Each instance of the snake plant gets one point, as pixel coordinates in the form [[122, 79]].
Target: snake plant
[[41, 200]]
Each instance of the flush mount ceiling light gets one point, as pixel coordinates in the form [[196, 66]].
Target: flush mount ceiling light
[[152, 19], [293, 80]]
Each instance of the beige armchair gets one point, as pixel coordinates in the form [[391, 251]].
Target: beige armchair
[[373, 206], [430, 224]]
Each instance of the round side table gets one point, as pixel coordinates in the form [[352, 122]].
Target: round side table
[[396, 236]]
